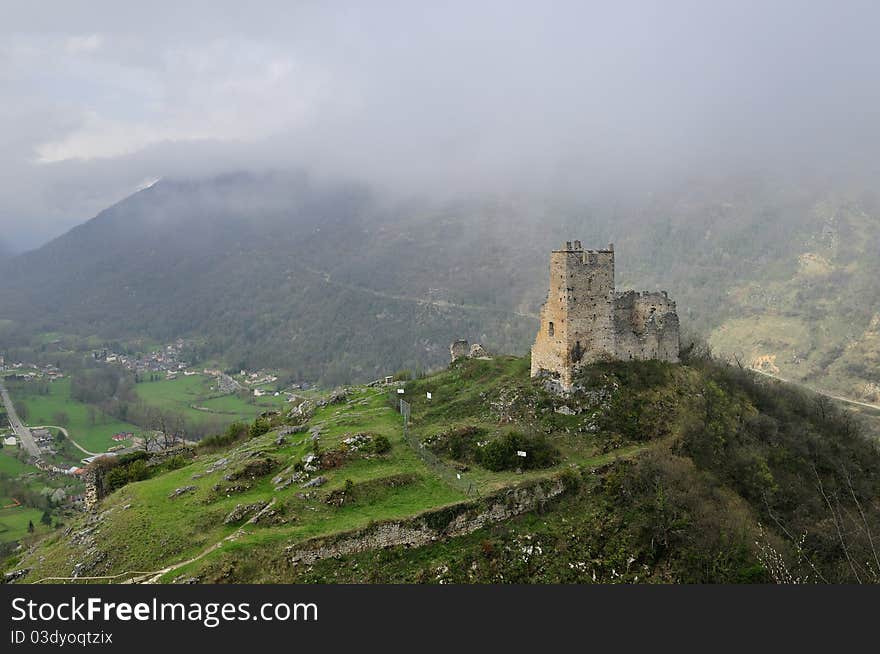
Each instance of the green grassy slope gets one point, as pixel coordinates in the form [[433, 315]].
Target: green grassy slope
[[9, 464], [696, 472]]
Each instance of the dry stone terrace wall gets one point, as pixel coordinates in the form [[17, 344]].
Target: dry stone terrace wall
[[585, 320], [439, 524]]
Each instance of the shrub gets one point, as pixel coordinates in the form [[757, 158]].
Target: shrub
[[125, 473], [501, 453], [235, 432], [260, 427], [175, 462], [571, 479], [381, 444], [459, 443]]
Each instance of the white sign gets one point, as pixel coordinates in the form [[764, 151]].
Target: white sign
[[400, 391], [458, 474], [520, 453], [429, 394]]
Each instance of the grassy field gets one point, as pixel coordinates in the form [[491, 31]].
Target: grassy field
[[14, 523], [193, 398], [42, 409], [9, 464]]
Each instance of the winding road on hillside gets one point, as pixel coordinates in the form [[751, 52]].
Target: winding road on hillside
[[67, 436], [441, 304], [24, 433], [847, 400], [21, 430]]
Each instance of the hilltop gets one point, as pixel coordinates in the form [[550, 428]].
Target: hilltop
[[651, 472]]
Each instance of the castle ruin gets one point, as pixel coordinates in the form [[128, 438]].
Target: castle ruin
[[585, 320]]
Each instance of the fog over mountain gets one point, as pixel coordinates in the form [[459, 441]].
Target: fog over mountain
[[342, 189], [556, 99]]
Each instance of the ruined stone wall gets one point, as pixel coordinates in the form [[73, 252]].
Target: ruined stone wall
[[91, 494], [439, 524], [459, 350], [93, 475], [645, 326]]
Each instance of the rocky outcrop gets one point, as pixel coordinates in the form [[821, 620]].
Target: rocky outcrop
[[242, 511], [177, 492], [292, 429]]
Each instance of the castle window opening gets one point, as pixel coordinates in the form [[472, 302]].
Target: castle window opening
[[550, 329]]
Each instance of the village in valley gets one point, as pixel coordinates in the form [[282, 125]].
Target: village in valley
[[55, 437]]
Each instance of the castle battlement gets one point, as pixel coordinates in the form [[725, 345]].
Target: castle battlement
[[585, 319], [576, 246]]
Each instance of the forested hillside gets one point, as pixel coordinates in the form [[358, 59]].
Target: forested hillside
[[336, 283]]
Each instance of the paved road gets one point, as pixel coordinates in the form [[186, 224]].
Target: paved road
[[67, 436], [20, 429]]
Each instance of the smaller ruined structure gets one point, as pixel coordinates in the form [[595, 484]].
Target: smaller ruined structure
[[460, 349], [585, 319]]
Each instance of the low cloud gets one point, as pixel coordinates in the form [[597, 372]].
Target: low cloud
[[454, 97]]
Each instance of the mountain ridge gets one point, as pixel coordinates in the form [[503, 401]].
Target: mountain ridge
[[336, 283]]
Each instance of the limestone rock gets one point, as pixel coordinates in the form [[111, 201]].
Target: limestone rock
[[242, 511], [177, 492], [565, 410], [293, 429], [478, 352], [314, 483]]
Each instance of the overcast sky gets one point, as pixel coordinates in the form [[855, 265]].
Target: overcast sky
[[101, 98]]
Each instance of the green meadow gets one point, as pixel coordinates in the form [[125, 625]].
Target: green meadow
[[14, 523], [9, 465], [95, 436], [193, 398]]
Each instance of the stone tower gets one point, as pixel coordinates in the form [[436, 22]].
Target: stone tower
[[585, 320]]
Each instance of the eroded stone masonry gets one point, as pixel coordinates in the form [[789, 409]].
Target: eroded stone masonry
[[585, 319]]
